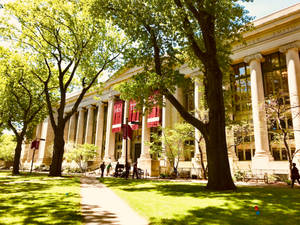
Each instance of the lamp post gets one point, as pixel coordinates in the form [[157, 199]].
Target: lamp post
[[35, 145], [126, 147]]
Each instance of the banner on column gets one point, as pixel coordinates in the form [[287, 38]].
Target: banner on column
[[117, 116], [127, 131], [134, 115], [35, 144], [154, 116]]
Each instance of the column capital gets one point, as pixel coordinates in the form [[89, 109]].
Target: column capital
[[257, 56], [291, 45], [81, 109], [90, 107]]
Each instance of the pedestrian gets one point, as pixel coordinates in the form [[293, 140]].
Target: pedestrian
[[295, 175], [135, 171], [102, 167], [108, 169], [117, 169]]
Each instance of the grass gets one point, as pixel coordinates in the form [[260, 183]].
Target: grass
[[39, 199], [174, 203]]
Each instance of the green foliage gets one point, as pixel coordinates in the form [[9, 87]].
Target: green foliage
[[22, 100], [81, 154], [174, 139], [7, 147]]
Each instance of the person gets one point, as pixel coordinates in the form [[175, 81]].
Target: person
[[102, 167], [295, 175], [117, 169], [108, 169], [127, 170], [135, 171]]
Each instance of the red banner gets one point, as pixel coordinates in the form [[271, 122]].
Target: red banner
[[127, 131], [117, 116], [35, 144], [134, 115], [154, 116]]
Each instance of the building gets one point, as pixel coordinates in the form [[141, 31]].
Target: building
[[267, 64]]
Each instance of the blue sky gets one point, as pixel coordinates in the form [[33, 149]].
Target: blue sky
[[261, 8]]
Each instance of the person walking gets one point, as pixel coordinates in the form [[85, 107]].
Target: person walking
[[295, 175], [102, 167], [108, 169], [117, 169], [135, 171]]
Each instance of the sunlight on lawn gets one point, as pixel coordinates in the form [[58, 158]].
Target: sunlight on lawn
[[165, 202], [39, 199]]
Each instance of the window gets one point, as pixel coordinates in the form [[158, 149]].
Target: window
[[242, 111]]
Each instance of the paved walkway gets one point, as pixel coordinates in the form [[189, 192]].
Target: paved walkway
[[100, 205]]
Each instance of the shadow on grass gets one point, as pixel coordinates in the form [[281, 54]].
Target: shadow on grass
[[277, 205], [34, 199]]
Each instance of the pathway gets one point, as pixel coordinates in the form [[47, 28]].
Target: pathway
[[100, 205]]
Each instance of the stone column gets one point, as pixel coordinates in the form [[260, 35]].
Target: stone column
[[176, 118], [71, 129], [99, 131], [66, 130], [145, 138], [123, 155], [80, 126], [150, 166], [42, 146], [166, 122], [196, 160], [293, 68], [89, 125], [262, 153], [110, 136]]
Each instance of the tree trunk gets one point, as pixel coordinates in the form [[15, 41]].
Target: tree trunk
[[58, 152], [17, 156], [219, 175]]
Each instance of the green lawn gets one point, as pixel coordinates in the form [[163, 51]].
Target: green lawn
[[39, 199], [173, 203]]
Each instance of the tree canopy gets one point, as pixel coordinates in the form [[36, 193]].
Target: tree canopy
[[167, 34]]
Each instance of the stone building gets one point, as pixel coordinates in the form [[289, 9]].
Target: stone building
[[266, 64]]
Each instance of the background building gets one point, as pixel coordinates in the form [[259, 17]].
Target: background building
[[265, 64]]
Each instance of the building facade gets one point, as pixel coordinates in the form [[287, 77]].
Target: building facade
[[267, 63]]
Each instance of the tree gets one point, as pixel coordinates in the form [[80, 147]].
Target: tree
[[81, 154], [22, 100], [167, 33], [277, 112], [75, 49], [175, 140], [7, 147]]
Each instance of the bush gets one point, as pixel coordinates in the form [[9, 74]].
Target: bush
[[239, 175]]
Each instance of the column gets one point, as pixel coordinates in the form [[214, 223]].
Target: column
[[293, 69], [66, 130], [262, 153], [89, 125], [145, 162], [80, 126], [145, 138], [42, 146], [110, 136], [123, 155], [71, 128], [176, 118], [99, 130]]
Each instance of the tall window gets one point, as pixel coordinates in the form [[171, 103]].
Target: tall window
[[241, 103], [85, 114], [241, 87], [95, 114], [275, 74], [275, 79]]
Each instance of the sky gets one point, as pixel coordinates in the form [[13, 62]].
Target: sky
[[261, 8]]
